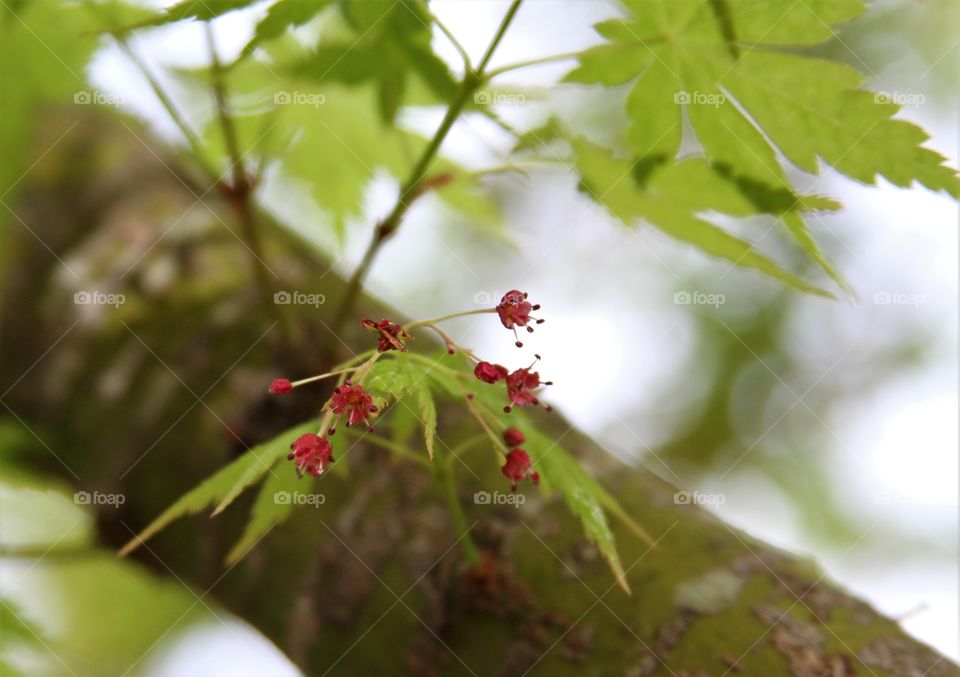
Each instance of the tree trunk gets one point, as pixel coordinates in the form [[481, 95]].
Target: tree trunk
[[377, 577]]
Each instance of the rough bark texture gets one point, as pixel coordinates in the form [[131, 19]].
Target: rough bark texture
[[375, 580]]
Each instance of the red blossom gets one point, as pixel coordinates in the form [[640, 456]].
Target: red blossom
[[391, 335], [520, 385], [514, 311], [489, 373], [518, 468], [311, 453], [280, 386], [353, 401], [513, 437]]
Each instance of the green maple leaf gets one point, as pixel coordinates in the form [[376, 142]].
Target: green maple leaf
[[716, 59], [672, 197], [387, 42], [746, 100]]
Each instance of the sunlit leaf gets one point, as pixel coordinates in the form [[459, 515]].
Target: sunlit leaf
[[611, 181]]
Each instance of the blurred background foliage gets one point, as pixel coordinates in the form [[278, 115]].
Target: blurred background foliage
[[789, 406]]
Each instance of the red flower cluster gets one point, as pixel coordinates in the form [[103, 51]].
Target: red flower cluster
[[311, 454], [518, 468], [391, 334], [514, 311], [353, 401], [520, 383]]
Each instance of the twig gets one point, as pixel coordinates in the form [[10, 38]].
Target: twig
[[456, 44], [240, 190], [472, 79], [533, 62]]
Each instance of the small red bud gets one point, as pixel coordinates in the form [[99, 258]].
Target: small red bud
[[280, 386], [513, 437]]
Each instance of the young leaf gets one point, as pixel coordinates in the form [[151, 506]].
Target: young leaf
[[272, 506], [580, 494], [391, 41], [280, 17], [226, 484], [428, 415]]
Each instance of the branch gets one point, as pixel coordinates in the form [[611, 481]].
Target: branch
[[240, 190], [410, 189]]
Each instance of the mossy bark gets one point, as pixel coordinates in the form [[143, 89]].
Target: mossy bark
[[377, 578]]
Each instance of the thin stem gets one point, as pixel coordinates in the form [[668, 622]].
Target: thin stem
[[452, 344], [433, 364], [533, 62], [444, 318], [363, 371], [356, 358], [193, 141], [456, 44], [504, 24], [472, 408], [320, 377], [389, 445], [240, 188], [472, 79]]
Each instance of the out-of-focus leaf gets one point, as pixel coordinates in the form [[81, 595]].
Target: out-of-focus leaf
[[200, 10], [34, 76], [390, 42], [282, 16]]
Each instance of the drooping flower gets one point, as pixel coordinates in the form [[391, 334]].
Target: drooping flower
[[280, 386], [513, 437], [514, 311], [391, 335], [489, 373], [517, 467], [520, 386], [353, 401], [311, 454]]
